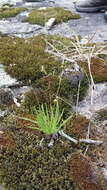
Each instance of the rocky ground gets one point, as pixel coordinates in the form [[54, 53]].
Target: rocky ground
[[88, 25]]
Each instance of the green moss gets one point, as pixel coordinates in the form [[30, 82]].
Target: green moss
[[42, 16], [26, 59], [31, 166], [6, 12], [60, 42], [7, 5], [50, 88]]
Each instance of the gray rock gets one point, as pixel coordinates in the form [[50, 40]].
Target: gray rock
[[6, 96], [73, 74], [74, 77], [1, 187], [17, 28], [50, 23], [13, 2], [33, 1], [99, 100], [3, 114], [20, 92], [5, 79]]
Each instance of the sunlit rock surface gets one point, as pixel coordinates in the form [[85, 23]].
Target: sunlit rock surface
[[18, 28], [5, 79], [94, 101]]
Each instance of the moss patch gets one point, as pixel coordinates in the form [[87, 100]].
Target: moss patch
[[78, 126], [98, 69], [101, 115], [42, 16], [6, 12], [84, 173], [35, 167], [26, 59], [50, 88]]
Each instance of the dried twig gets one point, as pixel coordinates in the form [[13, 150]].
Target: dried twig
[[68, 137], [90, 141]]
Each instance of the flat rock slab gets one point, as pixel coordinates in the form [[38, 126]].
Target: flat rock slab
[[99, 100], [2, 2], [18, 28], [89, 25], [86, 26]]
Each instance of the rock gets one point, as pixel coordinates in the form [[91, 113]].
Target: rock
[[6, 96], [19, 92], [1, 187], [11, 2], [17, 28], [50, 23], [3, 114], [73, 75], [104, 170], [99, 100], [5, 79], [105, 16], [33, 1]]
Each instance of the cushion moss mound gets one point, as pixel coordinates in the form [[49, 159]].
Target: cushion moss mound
[[10, 12], [42, 16], [31, 166], [26, 59]]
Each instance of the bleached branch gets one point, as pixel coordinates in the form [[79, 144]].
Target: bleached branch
[[90, 141]]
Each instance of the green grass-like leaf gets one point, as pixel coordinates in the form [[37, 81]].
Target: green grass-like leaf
[[48, 121]]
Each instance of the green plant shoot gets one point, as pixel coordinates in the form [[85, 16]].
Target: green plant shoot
[[48, 121]]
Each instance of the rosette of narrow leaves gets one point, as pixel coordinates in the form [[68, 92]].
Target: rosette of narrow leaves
[[49, 121]]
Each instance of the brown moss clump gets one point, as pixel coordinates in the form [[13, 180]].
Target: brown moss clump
[[32, 165], [42, 16], [84, 174], [6, 12], [6, 140], [78, 126], [98, 69]]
